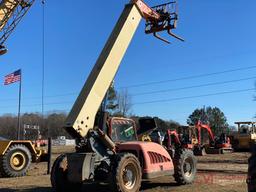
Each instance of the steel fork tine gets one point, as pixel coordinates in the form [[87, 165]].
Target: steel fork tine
[[162, 39]]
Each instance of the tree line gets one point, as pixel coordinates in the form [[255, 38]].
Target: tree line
[[118, 104], [49, 125]]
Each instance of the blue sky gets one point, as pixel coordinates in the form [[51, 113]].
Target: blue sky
[[220, 36]]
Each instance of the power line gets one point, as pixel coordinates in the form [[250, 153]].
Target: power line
[[39, 104], [187, 77], [165, 90], [150, 102], [196, 96], [150, 92], [49, 96], [194, 86]]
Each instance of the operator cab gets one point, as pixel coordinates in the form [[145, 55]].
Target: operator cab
[[253, 128], [122, 130], [246, 128]]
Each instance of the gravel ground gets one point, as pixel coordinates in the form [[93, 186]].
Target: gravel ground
[[216, 173]]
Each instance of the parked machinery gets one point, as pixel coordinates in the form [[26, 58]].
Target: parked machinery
[[245, 137], [188, 137], [216, 145], [191, 137], [148, 130], [16, 157], [98, 158]]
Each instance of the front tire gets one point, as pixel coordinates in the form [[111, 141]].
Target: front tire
[[59, 178], [127, 173], [16, 161], [184, 167]]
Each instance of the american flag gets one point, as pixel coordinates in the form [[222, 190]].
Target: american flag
[[13, 77]]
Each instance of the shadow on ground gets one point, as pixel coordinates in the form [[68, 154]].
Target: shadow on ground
[[37, 189], [224, 161], [94, 187], [221, 171], [150, 185]]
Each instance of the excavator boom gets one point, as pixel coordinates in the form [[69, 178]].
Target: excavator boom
[[200, 126]]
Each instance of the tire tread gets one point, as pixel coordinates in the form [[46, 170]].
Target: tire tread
[[5, 169]]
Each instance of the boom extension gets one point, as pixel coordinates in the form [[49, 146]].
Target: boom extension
[[82, 116], [166, 21]]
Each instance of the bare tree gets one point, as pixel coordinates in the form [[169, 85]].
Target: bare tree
[[124, 103], [53, 121], [8, 126]]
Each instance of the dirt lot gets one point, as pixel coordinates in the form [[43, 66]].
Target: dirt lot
[[216, 173]]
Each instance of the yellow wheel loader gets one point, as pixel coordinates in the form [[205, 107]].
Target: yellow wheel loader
[[245, 137], [16, 157]]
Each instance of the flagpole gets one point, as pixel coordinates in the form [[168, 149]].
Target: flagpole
[[18, 124]]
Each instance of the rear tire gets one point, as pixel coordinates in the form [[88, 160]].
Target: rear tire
[[236, 145], [127, 173], [15, 162], [251, 171], [184, 167], [59, 178], [200, 151]]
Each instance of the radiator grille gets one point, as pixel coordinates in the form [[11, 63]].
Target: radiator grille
[[157, 158]]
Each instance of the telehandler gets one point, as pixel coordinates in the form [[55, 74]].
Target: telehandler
[[98, 158]]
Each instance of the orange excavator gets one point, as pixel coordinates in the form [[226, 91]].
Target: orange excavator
[[192, 138], [216, 145]]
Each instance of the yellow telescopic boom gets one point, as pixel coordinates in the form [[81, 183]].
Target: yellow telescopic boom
[[82, 116]]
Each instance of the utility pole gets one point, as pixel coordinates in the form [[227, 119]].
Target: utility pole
[[43, 62], [18, 123]]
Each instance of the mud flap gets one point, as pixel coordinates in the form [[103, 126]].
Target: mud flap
[[80, 167]]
